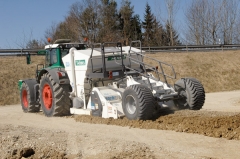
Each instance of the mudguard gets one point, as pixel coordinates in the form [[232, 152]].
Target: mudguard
[[59, 75]]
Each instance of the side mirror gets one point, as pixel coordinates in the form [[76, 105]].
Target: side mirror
[[28, 58]]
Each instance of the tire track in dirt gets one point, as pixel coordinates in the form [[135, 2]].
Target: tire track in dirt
[[212, 124]]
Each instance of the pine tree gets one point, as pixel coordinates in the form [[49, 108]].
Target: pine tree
[[109, 21], [159, 33], [136, 28], [148, 27], [126, 14]]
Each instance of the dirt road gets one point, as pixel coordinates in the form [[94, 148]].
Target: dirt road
[[26, 134]]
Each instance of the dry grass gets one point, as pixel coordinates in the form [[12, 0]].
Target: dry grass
[[218, 71], [13, 69]]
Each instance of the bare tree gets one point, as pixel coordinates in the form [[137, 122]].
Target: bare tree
[[35, 44], [211, 20], [51, 32], [172, 9], [195, 15], [229, 16], [86, 15], [23, 41], [203, 22]]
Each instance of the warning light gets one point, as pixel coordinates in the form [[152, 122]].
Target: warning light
[[85, 39], [49, 40]]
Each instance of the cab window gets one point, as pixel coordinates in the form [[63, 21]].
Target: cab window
[[51, 57]]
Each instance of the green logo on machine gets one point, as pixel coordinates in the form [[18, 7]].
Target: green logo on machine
[[80, 62], [111, 58]]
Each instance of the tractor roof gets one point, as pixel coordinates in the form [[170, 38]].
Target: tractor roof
[[66, 44]]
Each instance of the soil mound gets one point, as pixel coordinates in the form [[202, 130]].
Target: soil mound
[[212, 124]]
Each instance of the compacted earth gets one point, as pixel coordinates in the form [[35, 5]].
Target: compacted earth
[[213, 132]]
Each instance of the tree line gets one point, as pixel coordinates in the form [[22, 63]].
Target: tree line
[[213, 22], [101, 21], [206, 22]]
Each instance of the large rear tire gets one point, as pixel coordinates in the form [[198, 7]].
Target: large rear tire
[[192, 93], [54, 98], [138, 102], [27, 104]]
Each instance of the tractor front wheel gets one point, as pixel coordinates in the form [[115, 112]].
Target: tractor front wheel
[[54, 98], [27, 104], [191, 93], [138, 102]]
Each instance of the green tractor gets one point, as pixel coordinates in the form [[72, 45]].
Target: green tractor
[[50, 89]]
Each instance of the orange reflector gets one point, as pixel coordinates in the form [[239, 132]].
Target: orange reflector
[[110, 75], [59, 74], [156, 67]]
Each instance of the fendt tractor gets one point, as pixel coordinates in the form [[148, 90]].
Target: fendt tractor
[[106, 80]]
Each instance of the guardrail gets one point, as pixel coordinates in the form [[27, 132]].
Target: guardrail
[[191, 48], [18, 52], [179, 48]]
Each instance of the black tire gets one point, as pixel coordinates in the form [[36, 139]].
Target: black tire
[[138, 102], [54, 98], [192, 92], [27, 104]]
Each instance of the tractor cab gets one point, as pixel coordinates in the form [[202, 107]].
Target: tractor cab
[[60, 48], [54, 53]]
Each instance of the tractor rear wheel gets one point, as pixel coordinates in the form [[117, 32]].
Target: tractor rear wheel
[[138, 102], [27, 104], [54, 98], [192, 93]]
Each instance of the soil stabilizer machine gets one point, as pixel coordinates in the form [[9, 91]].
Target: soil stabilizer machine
[[110, 81]]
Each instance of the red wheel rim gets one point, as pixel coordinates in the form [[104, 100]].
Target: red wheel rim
[[47, 96], [24, 98]]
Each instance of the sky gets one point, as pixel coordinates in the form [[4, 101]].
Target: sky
[[23, 20]]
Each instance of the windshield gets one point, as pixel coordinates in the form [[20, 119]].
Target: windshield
[[51, 57]]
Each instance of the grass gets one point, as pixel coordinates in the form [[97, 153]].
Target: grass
[[218, 71], [12, 70]]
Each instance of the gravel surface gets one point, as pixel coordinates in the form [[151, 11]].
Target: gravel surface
[[213, 132]]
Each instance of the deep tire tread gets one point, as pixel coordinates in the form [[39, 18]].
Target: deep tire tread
[[61, 100], [146, 101], [196, 93], [32, 106]]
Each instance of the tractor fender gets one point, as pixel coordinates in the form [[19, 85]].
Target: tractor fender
[[181, 83], [59, 75], [33, 88]]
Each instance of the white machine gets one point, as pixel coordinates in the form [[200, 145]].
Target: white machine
[[114, 81]]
